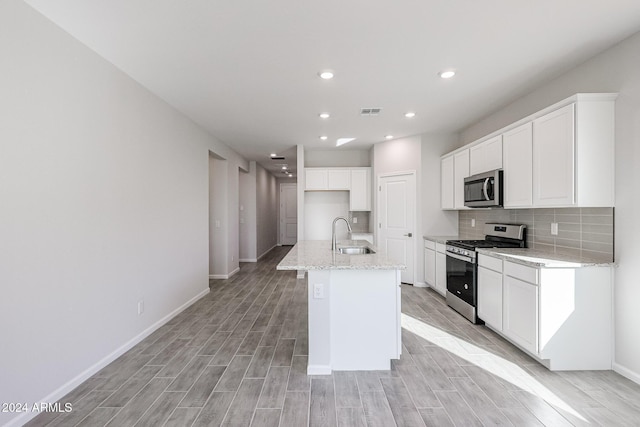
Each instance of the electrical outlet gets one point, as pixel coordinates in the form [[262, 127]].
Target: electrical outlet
[[355, 219], [473, 222], [217, 223], [140, 307], [318, 290], [554, 228]]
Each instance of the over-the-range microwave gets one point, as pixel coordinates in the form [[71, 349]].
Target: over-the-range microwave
[[483, 190]]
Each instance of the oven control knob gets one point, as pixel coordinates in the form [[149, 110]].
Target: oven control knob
[[466, 287]]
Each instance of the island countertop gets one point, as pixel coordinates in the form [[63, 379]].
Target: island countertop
[[317, 255]]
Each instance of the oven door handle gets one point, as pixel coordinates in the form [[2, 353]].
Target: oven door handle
[[460, 257]]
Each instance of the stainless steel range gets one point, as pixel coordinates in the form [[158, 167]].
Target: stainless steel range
[[462, 266]]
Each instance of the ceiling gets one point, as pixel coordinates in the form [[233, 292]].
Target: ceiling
[[247, 71]]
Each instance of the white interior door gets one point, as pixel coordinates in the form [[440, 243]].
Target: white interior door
[[397, 222], [288, 214]]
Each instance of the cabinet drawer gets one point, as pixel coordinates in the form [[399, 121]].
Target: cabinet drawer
[[522, 272], [441, 247], [489, 262], [430, 245]]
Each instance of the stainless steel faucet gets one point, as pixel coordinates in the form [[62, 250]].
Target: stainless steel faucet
[[333, 231]]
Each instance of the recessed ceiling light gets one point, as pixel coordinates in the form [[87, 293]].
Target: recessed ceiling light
[[324, 137], [388, 136], [447, 74], [326, 74], [284, 168], [342, 141], [410, 115], [324, 115], [273, 155]]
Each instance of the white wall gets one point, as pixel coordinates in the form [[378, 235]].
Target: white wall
[[435, 221], [104, 191], [321, 208], [339, 158], [247, 212], [615, 70], [266, 210]]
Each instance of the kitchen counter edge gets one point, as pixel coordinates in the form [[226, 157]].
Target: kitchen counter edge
[[539, 259], [317, 255], [440, 239]]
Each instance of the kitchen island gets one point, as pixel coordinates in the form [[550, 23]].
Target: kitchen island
[[354, 306]]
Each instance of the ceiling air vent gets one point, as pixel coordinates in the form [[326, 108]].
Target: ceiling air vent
[[370, 111], [277, 158]]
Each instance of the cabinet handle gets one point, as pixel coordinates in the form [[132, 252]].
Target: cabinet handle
[[408, 235]]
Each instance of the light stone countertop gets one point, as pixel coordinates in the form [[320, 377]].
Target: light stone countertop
[[317, 255], [440, 239], [537, 259]]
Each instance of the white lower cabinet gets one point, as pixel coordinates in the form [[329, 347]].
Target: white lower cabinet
[[430, 263], [560, 315], [441, 272], [435, 266], [490, 291], [521, 313]]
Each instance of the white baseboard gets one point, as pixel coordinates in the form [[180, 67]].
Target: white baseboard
[[318, 370], [87, 373], [266, 252], [626, 372], [224, 276], [421, 285], [248, 260]]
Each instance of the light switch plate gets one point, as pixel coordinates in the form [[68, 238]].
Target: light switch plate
[[554, 228]]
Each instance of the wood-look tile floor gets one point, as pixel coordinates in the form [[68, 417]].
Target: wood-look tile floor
[[238, 358]]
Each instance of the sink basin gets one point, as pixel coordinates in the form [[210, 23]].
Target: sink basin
[[355, 250]]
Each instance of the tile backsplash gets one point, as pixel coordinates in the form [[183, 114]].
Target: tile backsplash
[[362, 226], [586, 232]]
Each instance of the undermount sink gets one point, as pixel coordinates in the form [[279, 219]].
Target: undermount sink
[[355, 250]]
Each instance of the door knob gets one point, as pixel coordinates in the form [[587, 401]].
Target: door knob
[[408, 235]]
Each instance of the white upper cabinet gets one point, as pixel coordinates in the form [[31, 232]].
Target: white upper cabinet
[[357, 181], [561, 156], [460, 172], [554, 158], [316, 179], [360, 193], [518, 169], [339, 179], [486, 156], [446, 183]]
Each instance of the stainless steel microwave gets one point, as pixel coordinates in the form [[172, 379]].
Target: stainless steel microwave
[[483, 190]]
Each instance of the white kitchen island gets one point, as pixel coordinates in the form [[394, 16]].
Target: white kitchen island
[[354, 306]]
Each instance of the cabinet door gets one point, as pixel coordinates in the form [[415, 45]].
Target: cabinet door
[[446, 183], [518, 167], [490, 297], [486, 156], [430, 267], [360, 194], [441, 273], [520, 313], [554, 158], [315, 179], [460, 172], [339, 179]]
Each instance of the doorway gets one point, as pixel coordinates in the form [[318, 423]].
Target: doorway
[[397, 219], [288, 214]]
